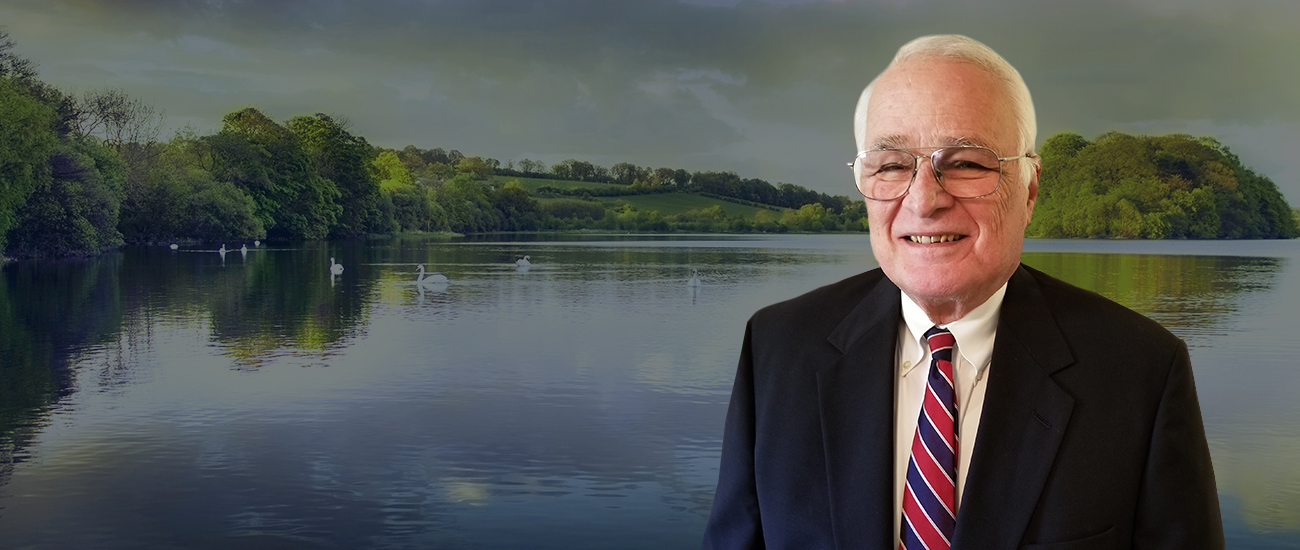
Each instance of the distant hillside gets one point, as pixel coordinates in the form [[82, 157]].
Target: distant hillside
[[1154, 187], [566, 203]]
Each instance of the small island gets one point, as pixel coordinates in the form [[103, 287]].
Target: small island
[[1154, 187]]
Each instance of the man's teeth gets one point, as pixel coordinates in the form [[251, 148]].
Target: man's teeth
[[931, 239]]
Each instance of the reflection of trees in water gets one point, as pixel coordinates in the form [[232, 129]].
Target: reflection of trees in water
[[50, 313], [53, 314], [282, 300], [1195, 297]]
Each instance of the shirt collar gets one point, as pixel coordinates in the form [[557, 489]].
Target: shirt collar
[[974, 332]]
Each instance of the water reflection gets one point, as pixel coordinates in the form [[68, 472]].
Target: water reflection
[[1193, 296], [575, 404], [50, 313]]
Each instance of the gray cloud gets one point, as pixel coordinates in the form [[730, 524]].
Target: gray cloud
[[761, 88]]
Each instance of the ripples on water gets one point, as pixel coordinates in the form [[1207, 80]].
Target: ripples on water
[[161, 399]]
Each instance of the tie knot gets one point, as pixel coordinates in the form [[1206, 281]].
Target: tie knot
[[939, 338]]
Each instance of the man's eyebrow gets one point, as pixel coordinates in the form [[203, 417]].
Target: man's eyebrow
[[892, 141], [965, 141]]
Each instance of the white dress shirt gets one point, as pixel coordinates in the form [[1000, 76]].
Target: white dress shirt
[[974, 334]]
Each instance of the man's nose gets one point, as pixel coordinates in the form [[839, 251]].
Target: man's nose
[[926, 195]]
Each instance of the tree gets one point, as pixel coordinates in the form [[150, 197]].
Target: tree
[[342, 159], [468, 205], [626, 173], [177, 199], [27, 138], [117, 118], [413, 158], [1174, 186], [519, 212], [571, 169], [391, 172], [11, 65], [532, 167], [476, 167], [809, 217], [268, 162], [74, 210]]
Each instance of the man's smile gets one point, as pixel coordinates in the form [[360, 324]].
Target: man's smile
[[934, 239]]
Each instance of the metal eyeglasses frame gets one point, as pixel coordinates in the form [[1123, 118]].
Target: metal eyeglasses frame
[[938, 176]]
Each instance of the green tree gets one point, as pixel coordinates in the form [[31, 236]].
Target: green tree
[[75, 209], [391, 172], [809, 217], [27, 138], [519, 211], [1175, 186], [475, 166], [267, 161], [468, 205], [176, 199], [343, 161]]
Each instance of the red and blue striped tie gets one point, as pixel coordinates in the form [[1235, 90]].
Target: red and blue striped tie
[[930, 497]]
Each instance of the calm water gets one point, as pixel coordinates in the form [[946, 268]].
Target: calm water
[[159, 399]]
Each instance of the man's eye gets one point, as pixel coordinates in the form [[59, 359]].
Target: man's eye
[[893, 168], [966, 165]]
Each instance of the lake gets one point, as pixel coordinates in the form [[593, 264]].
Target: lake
[[184, 399]]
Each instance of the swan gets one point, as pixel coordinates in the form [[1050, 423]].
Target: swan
[[434, 278], [694, 281], [523, 262], [221, 250], [257, 243], [335, 269], [243, 249], [175, 246]]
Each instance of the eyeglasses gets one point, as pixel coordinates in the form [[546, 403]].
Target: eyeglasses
[[965, 172]]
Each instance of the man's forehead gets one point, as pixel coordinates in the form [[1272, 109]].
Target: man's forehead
[[900, 141]]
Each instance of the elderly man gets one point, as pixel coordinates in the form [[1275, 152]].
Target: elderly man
[[955, 398]]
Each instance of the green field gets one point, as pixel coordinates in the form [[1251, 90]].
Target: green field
[[532, 184], [667, 204], [678, 203]]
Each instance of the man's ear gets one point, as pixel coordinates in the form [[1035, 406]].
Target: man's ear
[[1032, 195]]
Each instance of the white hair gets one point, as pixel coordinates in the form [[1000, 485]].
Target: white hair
[[961, 48]]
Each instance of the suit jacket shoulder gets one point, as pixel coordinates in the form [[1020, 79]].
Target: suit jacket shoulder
[[830, 318]]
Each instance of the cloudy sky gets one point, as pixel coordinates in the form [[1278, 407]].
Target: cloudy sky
[[762, 88]]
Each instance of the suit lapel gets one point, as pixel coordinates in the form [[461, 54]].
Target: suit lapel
[[1025, 416], [856, 396]]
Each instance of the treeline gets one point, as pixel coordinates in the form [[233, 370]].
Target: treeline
[[1154, 187], [84, 174]]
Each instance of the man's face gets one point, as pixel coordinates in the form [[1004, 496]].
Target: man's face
[[929, 103]]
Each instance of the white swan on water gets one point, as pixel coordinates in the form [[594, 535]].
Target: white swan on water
[[257, 243], [175, 246], [222, 250], [694, 281], [335, 269], [243, 249], [523, 262], [434, 278]]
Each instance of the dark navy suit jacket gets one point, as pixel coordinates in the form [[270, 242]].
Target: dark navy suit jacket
[[1090, 437]]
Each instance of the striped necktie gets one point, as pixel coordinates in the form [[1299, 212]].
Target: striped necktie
[[930, 497]]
